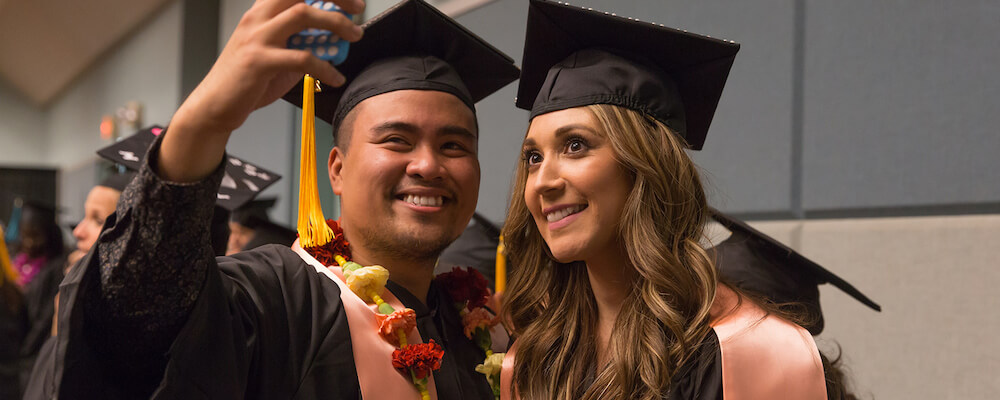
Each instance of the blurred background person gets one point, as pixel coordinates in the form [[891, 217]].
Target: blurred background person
[[13, 325], [39, 259]]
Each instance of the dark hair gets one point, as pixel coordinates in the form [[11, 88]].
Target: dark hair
[[43, 221]]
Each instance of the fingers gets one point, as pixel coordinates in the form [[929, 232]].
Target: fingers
[[300, 17], [351, 6], [271, 8], [303, 62]]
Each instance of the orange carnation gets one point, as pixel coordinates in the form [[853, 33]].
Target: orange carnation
[[400, 320]]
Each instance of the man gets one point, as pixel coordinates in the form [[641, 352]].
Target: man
[[154, 314], [98, 206]]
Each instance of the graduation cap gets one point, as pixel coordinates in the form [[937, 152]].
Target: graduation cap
[[412, 45], [253, 212], [758, 263], [242, 182], [118, 181], [475, 248], [269, 232], [576, 57]]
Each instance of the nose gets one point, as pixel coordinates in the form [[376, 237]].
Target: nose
[[426, 164], [80, 230], [548, 178]]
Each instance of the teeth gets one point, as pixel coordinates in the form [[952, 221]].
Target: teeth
[[558, 215], [424, 201]]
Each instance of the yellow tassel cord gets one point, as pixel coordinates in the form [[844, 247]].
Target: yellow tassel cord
[[7, 274], [312, 227], [501, 268], [402, 338]]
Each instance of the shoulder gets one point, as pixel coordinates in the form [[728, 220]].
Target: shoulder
[[764, 355], [276, 270]]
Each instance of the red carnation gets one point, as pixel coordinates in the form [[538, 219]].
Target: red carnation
[[324, 254], [400, 320], [420, 359], [466, 285]]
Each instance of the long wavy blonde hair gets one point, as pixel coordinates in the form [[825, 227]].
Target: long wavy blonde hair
[[550, 307]]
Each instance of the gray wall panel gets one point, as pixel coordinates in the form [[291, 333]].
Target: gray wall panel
[[501, 125], [23, 131], [901, 103]]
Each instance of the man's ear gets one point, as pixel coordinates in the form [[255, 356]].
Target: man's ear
[[335, 166]]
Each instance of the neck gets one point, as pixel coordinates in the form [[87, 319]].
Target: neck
[[611, 280], [413, 275]]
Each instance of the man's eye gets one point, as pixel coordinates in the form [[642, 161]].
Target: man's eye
[[453, 146]]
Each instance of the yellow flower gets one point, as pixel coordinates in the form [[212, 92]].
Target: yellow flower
[[365, 280], [491, 368]]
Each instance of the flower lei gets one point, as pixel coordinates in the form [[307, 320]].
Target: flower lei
[[467, 288]]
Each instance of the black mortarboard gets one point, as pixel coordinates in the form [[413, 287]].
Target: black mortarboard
[[42, 212], [576, 57], [756, 262], [270, 233], [118, 181], [253, 212], [475, 248], [242, 182], [412, 45]]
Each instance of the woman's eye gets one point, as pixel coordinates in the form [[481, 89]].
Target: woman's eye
[[576, 145], [532, 157]]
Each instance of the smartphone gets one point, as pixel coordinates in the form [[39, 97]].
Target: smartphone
[[322, 43]]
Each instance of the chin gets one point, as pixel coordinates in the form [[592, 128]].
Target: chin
[[427, 232], [566, 254]]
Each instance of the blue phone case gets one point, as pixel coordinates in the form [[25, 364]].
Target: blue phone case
[[322, 43]]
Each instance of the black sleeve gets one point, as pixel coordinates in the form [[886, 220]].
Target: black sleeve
[[260, 322], [153, 255], [701, 377]]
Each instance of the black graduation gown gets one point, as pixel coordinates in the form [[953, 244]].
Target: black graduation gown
[[267, 326], [13, 326], [263, 324], [700, 378]]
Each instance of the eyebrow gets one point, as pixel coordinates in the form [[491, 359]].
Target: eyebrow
[[561, 132], [411, 128], [394, 126]]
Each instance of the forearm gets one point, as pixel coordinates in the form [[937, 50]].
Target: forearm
[[194, 147]]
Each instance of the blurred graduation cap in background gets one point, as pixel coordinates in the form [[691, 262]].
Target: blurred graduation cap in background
[[757, 263], [118, 180], [242, 182], [475, 248], [253, 216]]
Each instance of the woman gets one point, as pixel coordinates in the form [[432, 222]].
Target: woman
[[613, 296]]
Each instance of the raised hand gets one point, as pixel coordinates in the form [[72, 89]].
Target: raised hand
[[253, 70]]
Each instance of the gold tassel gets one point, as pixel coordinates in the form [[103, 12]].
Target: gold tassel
[[500, 279], [312, 227], [7, 273]]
